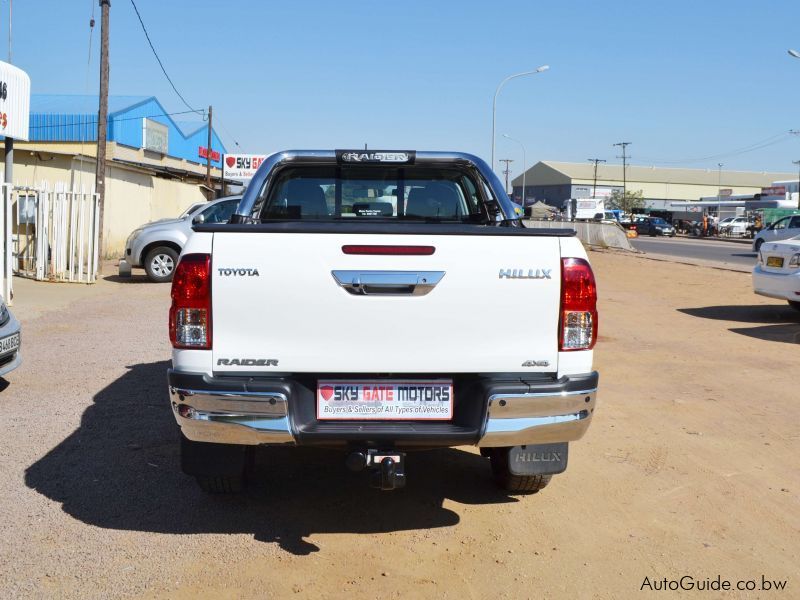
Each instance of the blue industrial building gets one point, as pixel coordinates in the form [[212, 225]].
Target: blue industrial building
[[73, 118]]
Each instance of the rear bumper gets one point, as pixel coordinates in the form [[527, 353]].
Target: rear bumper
[[490, 411], [784, 286]]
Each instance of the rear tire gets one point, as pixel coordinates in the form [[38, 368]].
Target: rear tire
[[160, 264], [516, 484], [794, 304], [217, 468]]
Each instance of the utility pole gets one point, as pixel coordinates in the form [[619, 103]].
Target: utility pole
[[507, 170], [210, 193], [624, 158], [102, 122], [797, 162], [594, 185]]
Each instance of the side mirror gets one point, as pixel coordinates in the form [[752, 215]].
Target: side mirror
[[199, 219]]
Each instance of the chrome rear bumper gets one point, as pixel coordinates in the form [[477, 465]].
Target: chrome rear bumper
[[558, 412], [537, 418]]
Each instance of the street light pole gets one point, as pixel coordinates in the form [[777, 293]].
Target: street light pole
[[524, 162], [497, 91], [719, 193]]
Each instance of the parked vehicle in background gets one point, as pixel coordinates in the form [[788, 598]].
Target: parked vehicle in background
[[608, 216], [654, 226], [10, 357], [777, 272], [782, 229], [587, 208], [736, 226], [155, 246], [318, 317]]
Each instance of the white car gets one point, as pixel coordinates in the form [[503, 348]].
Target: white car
[[10, 357], [321, 315], [736, 226], [777, 272]]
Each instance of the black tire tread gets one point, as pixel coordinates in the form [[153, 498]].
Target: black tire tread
[[516, 484]]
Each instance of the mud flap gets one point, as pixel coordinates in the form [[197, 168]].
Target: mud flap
[[538, 459]]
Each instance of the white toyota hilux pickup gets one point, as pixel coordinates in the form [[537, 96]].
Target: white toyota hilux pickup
[[378, 302]]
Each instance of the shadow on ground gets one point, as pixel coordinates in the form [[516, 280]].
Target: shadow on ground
[[134, 278], [120, 470], [777, 323]]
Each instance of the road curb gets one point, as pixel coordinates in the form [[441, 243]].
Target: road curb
[[721, 266]]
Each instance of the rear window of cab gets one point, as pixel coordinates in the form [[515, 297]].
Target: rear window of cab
[[392, 193]]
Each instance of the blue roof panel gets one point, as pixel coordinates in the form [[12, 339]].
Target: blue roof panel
[[73, 118]]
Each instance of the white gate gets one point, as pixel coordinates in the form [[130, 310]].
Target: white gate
[[56, 234]]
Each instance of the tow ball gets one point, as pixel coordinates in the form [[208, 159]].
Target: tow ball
[[386, 468]]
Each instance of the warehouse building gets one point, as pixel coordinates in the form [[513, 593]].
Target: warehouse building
[[555, 182], [156, 166]]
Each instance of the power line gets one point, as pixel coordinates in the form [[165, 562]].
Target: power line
[[160, 64], [228, 133], [765, 143]]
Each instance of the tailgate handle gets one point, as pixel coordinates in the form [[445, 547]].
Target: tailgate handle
[[388, 283]]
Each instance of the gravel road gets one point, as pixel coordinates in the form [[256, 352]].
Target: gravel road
[[690, 468]]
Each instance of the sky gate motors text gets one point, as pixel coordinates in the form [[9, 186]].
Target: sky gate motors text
[[389, 393]]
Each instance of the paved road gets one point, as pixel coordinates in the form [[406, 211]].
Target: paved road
[[692, 248]]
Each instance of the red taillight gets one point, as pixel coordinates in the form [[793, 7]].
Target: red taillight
[[190, 313], [578, 325], [389, 250]]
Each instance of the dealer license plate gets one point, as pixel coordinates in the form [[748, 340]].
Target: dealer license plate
[[9, 344], [381, 400], [774, 261]]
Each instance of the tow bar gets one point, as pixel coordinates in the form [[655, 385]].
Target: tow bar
[[386, 467]]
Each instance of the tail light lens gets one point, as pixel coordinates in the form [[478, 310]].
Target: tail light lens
[[190, 313], [578, 327]]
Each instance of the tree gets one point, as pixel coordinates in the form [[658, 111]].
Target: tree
[[628, 202]]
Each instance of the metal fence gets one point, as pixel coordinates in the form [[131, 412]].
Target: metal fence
[[606, 235], [55, 235]]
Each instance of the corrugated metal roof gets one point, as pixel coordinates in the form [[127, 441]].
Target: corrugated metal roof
[[644, 174], [86, 104]]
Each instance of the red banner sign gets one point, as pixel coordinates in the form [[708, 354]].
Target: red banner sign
[[202, 152]]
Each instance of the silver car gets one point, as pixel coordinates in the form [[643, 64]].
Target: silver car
[[10, 357], [156, 246]]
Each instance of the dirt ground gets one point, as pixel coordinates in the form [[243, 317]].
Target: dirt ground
[[689, 468]]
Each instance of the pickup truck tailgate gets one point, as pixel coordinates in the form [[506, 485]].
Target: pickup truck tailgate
[[276, 297]]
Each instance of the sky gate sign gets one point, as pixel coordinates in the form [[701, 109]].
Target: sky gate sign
[[241, 167], [15, 102]]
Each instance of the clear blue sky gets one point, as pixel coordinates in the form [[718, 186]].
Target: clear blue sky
[[680, 79]]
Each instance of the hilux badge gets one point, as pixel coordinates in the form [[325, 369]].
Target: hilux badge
[[525, 274]]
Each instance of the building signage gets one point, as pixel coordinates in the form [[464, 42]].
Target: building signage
[[202, 152], [778, 190], [15, 102], [726, 192], [242, 166], [155, 136]]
